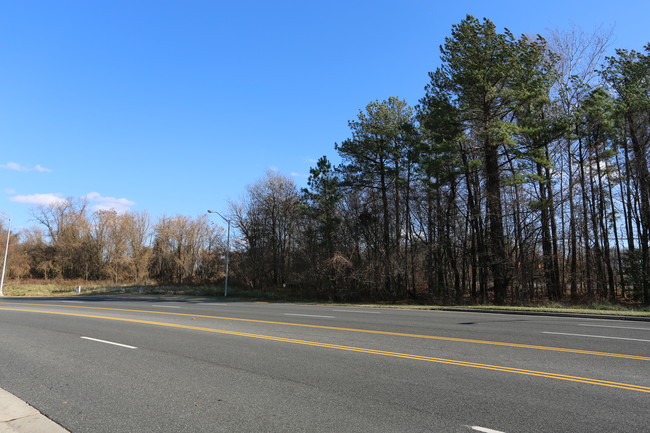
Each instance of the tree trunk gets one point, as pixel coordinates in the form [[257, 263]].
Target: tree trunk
[[495, 217]]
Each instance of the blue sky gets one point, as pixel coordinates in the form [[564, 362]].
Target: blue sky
[[173, 107]]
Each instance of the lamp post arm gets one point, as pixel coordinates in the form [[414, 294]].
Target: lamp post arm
[[224, 218]]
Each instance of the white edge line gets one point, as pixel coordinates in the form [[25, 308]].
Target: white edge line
[[109, 342], [597, 336], [483, 429], [309, 315], [616, 327]]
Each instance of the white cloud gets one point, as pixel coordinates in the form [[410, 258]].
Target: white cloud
[[13, 166], [10, 191], [294, 174], [42, 169], [95, 200], [99, 202], [18, 167], [39, 199]]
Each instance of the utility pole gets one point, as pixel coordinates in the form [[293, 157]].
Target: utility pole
[[4, 263]]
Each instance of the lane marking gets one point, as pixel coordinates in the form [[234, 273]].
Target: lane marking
[[483, 429], [597, 336], [503, 369], [309, 315], [617, 327], [357, 311], [364, 331], [109, 342]]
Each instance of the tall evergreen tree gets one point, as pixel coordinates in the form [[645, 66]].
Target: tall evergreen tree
[[376, 158], [628, 74], [489, 74]]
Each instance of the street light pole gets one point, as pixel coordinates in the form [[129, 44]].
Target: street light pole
[[225, 291], [4, 263]]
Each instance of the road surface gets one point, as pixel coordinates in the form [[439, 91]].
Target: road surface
[[149, 365]]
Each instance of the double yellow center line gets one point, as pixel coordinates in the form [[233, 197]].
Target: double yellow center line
[[365, 331], [513, 370]]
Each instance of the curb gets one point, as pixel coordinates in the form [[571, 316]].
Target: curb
[[552, 314], [16, 416]]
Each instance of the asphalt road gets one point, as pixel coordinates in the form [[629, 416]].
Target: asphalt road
[[117, 365]]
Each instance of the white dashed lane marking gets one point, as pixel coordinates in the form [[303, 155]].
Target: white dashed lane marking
[[309, 315], [109, 342]]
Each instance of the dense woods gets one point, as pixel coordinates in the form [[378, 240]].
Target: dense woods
[[520, 175]]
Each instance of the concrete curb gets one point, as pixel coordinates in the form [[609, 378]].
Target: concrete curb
[[551, 313], [16, 416]]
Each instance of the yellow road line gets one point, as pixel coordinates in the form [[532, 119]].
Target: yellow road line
[[499, 368], [366, 331]]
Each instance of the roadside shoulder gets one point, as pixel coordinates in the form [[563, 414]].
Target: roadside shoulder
[[17, 416]]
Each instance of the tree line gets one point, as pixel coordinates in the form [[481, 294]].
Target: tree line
[[521, 175], [73, 243]]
